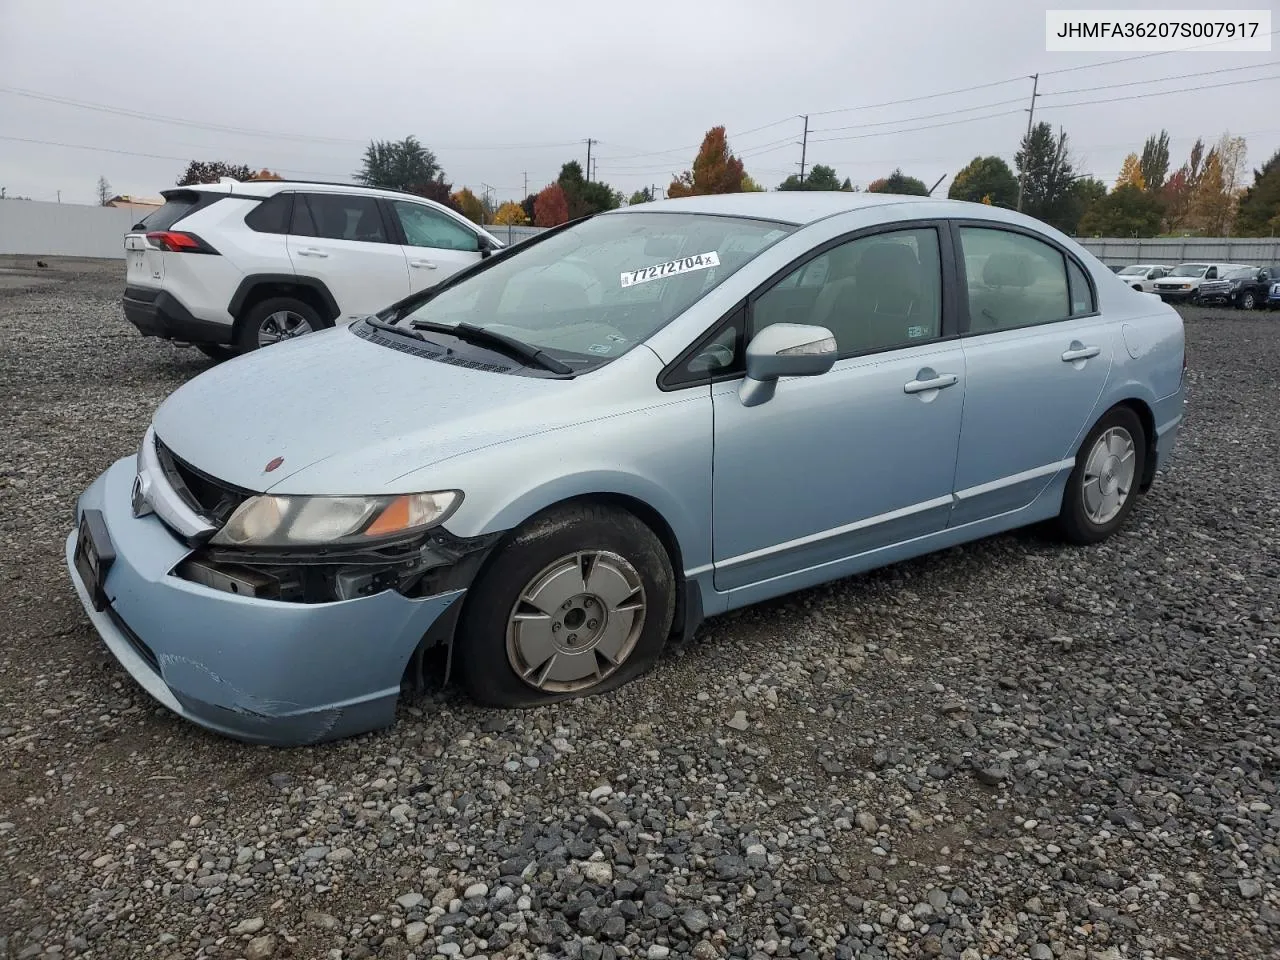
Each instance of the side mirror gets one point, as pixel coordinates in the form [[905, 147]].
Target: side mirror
[[486, 247], [785, 350]]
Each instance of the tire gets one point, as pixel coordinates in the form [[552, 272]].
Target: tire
[[276, 313], [1138, 287], [1082, 519], [1247, 301], [558, 646], [216, 351]]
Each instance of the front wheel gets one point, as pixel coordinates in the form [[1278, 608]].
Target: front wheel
[[1104, 484], [276, 319], [576, 602]]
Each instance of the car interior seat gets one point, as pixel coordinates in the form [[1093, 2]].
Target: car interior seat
[[879, 301]]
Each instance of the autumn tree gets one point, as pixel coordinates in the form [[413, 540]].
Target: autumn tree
[[1131, 173], [265, 174], [1044, 163], [211, 171], [1175, 198], [715, 169], [985, 180], [1155, 160], [511, 214], [551, 208], [439, 190], [750, 186], [1259, 212], [469, 205], [398, 165], [899, 182], [821, 177], [1210, 204], [104, 191]]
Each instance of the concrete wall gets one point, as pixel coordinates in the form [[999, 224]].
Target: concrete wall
[[1251, 251], [36, 228]]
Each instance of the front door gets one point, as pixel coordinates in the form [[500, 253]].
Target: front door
[[858, 458], [343, 241], [1038, 356], [435, 245]]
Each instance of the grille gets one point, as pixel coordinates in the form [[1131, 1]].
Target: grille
[[210, 498]]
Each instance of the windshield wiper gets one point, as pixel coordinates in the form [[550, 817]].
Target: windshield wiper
[[392, 328], [505, 344]]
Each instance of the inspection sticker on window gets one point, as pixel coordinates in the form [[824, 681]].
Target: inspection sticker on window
[[699, 261]]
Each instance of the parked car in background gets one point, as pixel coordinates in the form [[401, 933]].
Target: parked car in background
[[1115, 267], [230, 267], [1182, 285], [672, 418], [1142, 276], [1273, 298], [1246, 288]]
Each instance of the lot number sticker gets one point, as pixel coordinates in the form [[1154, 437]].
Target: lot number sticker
[[699, 261]]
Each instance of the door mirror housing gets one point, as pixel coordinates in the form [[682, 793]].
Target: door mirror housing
[[485, 246], [785, 350]]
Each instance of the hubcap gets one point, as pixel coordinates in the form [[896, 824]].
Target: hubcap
[[282, 325], [1108, 475], [576, 622]]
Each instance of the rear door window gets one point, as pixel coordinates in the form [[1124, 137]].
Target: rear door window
[[335, 216]]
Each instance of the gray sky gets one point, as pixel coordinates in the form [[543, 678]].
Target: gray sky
[[501, 88]]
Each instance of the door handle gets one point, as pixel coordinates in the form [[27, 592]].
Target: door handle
[[938, 382], [311, 252], [422, 263], [1079, 351]]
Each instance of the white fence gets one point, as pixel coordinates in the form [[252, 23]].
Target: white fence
[[35, 228], [1252, 251]]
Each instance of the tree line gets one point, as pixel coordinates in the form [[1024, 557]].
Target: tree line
[[1205, 195]]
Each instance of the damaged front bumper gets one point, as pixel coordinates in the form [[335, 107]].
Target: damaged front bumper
[[259, 670]]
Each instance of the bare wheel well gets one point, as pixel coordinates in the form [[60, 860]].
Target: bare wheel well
[[271, 288]]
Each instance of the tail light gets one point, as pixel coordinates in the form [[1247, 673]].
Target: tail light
[[175, 241]]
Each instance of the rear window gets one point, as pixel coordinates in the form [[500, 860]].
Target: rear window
[[176, 207]]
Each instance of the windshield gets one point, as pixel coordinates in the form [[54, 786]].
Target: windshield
[[1133, 271], [1189, 270], [597, 289]]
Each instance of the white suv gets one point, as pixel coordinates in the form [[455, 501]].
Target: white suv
[[230, 267]]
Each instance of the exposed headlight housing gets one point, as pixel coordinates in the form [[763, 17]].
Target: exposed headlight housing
[[284, 521]]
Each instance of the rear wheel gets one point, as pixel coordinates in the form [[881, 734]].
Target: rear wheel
[[278, 318], [579, 601], [1248, 301], [1104, 484]]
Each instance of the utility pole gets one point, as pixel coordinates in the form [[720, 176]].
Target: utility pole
[[804, 146], [589, 143], [526, 184], [59, 196], [1031, 112]]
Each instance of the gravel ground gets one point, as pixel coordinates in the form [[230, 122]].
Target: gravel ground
[[1012, 749]]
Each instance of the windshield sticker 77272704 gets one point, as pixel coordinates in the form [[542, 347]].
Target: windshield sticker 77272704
[[699, 261]]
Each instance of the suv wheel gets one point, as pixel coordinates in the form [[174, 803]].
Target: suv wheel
[[1247, 301], [276, 319]]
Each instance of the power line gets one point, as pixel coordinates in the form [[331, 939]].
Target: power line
[[1137, 83], [1140, 56], [928, 126], [1159, 93], [925, 116]]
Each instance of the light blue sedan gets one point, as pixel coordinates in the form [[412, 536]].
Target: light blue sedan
[[584, 445]]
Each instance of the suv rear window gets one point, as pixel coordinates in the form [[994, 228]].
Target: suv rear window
[[271, 215], [176, 206]]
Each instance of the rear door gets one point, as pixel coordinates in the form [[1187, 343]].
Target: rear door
[[344, 241], [435, 245], [1037, 358]]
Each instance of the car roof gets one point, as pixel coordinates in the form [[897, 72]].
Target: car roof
[[802, 207], [267, 188]]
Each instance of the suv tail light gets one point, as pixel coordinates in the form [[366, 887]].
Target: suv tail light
[[175, 241]]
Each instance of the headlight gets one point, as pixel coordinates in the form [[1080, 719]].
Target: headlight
[[270, 521]]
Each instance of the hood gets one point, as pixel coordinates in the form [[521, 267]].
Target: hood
[[367, 413]]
